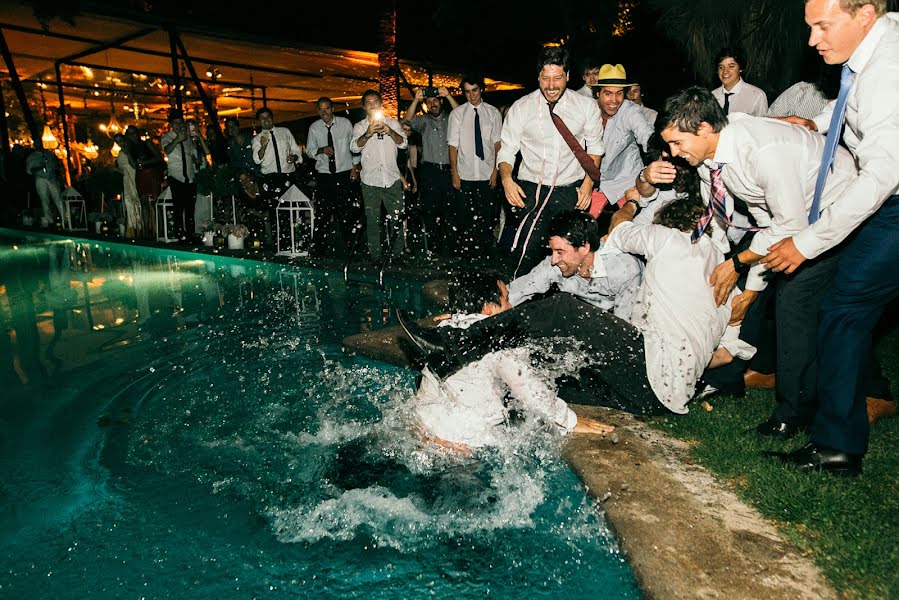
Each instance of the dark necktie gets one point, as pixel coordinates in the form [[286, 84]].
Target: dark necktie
[[478, 140], [582, 157], [727, 96], [332, 160], [184, 162], [830, 144], [275, 148]]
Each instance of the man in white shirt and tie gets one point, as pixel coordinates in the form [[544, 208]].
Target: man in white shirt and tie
[[328, 143], [182, 170], [473, 138], [378, 138], [772, 166], [734, 94], [864, 38], [276, 152], [551, 178]]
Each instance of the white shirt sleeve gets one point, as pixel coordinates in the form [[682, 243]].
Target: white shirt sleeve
[[535, 396], [537, 281], [454, 128], [511, 135], [311, 143], [593, 131]]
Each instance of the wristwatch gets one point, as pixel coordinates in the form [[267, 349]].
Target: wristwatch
[[739, 267]]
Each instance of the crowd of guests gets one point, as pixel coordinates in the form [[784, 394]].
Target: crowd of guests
[[745, 248], [766, 247]]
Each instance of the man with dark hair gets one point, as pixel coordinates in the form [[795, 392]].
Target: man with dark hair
[[378, 138], [625, 131], [864, 39], [590, 74], [734, 94], [181, 151], [545, 126], [328, 143], [276, 152], [473, 138], [772, 166], [581, 266], [469, 409], [240, 147]]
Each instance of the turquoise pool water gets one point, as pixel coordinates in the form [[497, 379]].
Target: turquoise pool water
[[183, 426]]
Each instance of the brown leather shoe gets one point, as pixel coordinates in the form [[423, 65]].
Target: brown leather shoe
[[879, 408], [759, 381]]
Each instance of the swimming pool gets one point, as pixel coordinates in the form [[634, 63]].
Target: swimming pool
[[187, 426]]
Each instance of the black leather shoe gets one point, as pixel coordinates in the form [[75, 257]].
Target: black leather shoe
[[812, 457], [427, 340], [778, 429]]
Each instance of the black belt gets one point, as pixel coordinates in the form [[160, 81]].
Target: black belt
[[442, 167]]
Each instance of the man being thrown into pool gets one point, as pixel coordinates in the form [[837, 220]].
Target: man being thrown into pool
[[650, 365], [468, 409]]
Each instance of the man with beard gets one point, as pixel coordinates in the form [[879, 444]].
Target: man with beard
[[551, 178]]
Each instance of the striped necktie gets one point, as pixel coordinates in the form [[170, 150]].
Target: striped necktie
[[830, 144], [717, 206]]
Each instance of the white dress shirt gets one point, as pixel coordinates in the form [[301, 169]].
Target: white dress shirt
[[746, 98], [872, 129], [772, 166], [461, 135], [622, 161], [675, 309], [342, 133], [468, 407], [613, 284], [650, 115], [379, 154], [175, 160], [287, 145], [546, 158], [587, 91]]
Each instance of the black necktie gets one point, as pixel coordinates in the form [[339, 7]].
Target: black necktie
[[275, 148], [332, 160], [184, 162], [727, 96], [478, 140]]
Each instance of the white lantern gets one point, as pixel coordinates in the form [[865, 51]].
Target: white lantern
[[296, 218], [73, 199], [164, 206]]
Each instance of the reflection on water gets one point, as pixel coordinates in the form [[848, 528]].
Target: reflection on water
[[177, 425]]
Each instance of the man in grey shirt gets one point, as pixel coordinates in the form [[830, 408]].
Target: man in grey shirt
[[437, 191], [580, 266], [625, 128]]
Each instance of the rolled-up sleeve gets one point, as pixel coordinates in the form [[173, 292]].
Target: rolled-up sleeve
[[511, 136], [593, 131]]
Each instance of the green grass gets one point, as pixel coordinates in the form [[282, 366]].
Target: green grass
[[850, 527]]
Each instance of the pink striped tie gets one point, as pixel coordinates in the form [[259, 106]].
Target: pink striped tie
[[716, 208]]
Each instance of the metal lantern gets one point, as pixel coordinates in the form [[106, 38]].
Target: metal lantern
[[294, 223], [165, 213], [73, 200]]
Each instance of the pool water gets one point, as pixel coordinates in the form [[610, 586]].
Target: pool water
[[175, 425]]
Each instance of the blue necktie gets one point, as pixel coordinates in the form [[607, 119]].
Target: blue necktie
[[830, 144], [478, 140]]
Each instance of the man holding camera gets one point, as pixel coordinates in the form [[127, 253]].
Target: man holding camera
[[436, 178], [378, 138]]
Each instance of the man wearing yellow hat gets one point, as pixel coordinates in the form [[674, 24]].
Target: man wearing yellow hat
[[625, 127]]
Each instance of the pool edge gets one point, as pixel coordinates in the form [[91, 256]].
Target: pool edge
[[685, 535]]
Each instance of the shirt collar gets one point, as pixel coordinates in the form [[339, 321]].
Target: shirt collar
[[726, 151], [734, 90], [865, 49]]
